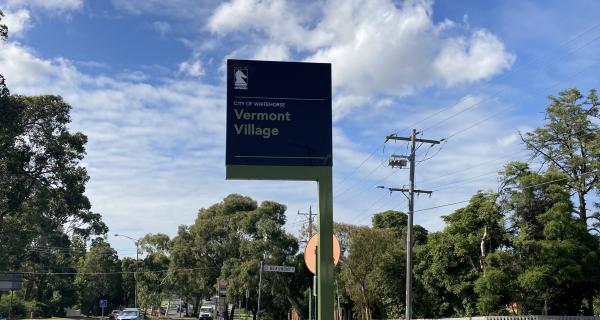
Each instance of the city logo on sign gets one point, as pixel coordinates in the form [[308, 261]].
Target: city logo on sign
[[240, 78]]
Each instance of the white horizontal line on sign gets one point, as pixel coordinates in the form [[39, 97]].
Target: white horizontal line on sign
[[278, 157], [275, 98]]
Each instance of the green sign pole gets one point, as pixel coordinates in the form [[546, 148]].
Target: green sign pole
[[323, 177], [325, 297], [270, 105]]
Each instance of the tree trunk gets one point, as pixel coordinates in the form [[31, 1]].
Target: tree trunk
[[588, 308], [582, 209], [29, 290], [253, 315], [296, 307], [230, 314], [196, 305], [482, 248]]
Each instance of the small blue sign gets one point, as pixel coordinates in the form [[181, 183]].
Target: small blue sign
[[103, 303], [278, 113]]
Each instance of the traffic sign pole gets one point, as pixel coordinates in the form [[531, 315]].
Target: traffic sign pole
[[325, 296], [267, 139]]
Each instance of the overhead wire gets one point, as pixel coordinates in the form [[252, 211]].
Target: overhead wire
[[112, 272], [526, 187], [504, 89], [433, 114]]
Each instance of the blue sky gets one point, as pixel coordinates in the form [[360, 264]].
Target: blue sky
[[146, 83]]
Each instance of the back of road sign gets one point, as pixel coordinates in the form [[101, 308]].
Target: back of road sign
[[278, 113], [310, 256]]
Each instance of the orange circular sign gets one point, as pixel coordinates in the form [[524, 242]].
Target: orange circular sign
[[310, 254]]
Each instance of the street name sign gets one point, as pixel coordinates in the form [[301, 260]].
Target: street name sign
[[10, 281], [278, 113], [269, 268]]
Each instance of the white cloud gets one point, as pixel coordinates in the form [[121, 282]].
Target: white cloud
[[192, 68], [374, 46], [156, 151], [186, 9], [57, 5], [344, 104], [278, 19], [468, 102], [480, 57], [507, 140], [17, 22], [272, 52], [162, 27]]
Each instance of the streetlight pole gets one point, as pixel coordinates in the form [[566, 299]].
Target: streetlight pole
[[137, 252]]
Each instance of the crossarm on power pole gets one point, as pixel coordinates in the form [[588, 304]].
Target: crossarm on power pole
[[395, 137], [408, 190]]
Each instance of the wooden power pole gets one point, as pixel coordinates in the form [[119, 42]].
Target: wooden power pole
[[399, 161]]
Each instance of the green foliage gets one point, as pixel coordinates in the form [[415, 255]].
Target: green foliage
[[452, 260], [3, 35], [42, 184], [99, 278], [20, 307], [152, 275], [261, 237], [3, 28], [192, 285], [551, 267], [397, 221], [570, 141], [496, 287], [363, 273], [45, 217], [129, 267], [228, 241]]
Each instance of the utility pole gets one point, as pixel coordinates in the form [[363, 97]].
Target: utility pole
[[310, 220], [399, 161], [259, 285], [310, 233]]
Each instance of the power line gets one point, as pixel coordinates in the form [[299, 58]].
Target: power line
[[503, 89], [361, 164], [380, 165], [112, 272], [472, 106], [526, 187]]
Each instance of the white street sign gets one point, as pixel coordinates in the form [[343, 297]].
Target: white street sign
[[269, 268]]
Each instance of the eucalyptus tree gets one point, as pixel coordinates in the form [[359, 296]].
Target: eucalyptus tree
[[570, 142]]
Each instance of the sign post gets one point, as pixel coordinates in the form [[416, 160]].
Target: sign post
[[279, 128], [103, 305]]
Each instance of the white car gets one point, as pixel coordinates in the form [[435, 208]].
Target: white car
[[206, 313], [131, 314]]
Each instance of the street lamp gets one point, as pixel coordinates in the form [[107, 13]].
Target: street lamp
[[137, 250]]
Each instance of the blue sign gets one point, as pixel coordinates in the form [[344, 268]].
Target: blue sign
[[103, 303], [278, 113]]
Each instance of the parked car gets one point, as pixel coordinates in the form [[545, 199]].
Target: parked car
[[114, 314], [206, 313], [131, 314]]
